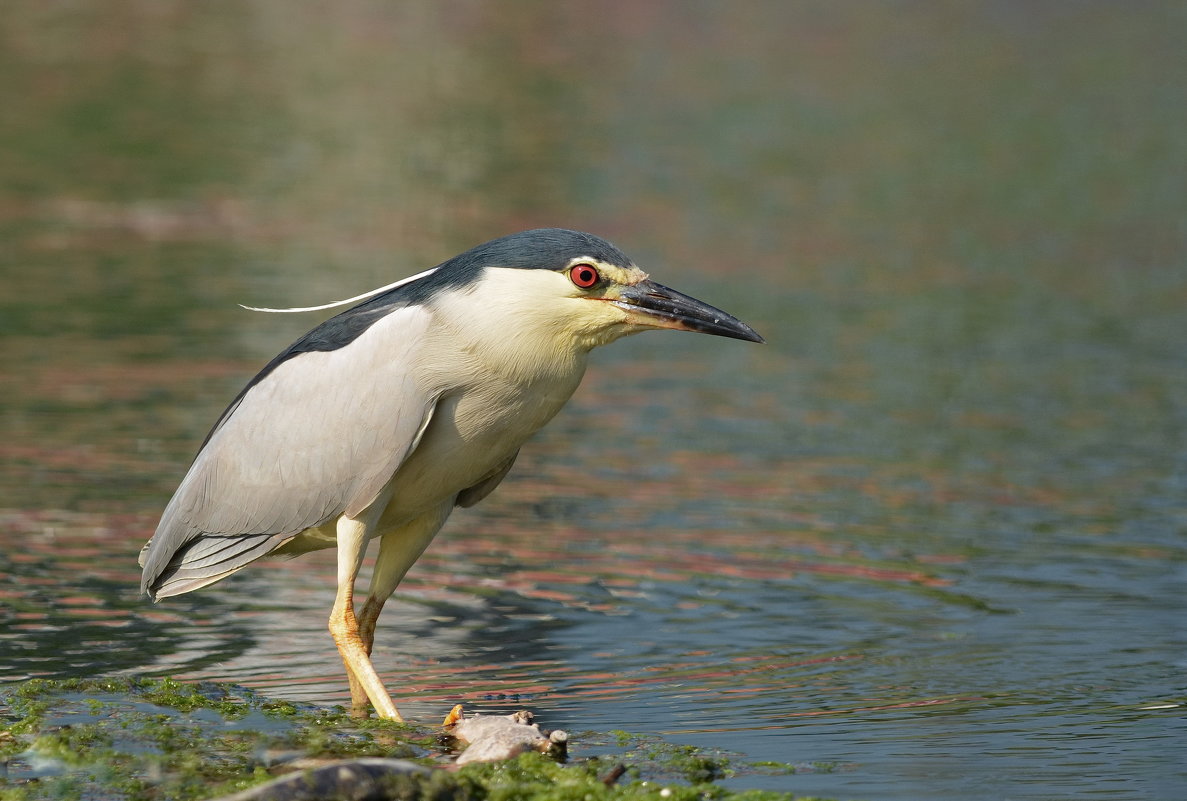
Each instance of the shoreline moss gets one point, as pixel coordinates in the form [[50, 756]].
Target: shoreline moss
[[151, 739]]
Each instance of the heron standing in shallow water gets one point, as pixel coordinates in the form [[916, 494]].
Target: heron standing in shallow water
[[382, 419]]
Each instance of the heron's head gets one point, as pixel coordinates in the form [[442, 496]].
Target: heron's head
[[570, 290]]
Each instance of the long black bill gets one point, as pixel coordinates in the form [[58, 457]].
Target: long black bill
[[664, 307]]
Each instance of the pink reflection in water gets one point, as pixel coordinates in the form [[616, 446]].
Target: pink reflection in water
[[432, 647]]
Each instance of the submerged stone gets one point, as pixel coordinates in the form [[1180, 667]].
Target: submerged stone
[[367, 778]]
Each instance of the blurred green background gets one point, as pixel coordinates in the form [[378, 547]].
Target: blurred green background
[[961, 171], [962, 227]]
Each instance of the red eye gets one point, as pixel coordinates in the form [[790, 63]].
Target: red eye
[[583, 275]]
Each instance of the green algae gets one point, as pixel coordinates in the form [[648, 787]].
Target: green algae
[[142, 739], [532, 776]]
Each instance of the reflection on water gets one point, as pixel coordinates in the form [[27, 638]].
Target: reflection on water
[[930, 535]]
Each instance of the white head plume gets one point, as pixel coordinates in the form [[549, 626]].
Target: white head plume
[[336, 303]]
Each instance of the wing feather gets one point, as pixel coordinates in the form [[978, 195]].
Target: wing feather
[[319, 434]]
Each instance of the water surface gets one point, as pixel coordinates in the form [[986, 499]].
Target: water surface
[[926, 543]]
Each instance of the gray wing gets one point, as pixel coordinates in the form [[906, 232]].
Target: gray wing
[[320, 434]]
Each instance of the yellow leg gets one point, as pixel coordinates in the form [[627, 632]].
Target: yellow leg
[[398, 550], [359, 702], [344, 626]]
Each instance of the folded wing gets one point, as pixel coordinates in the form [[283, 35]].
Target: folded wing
[[320, 432]]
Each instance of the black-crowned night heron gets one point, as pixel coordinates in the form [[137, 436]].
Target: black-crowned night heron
[[382, 419]]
